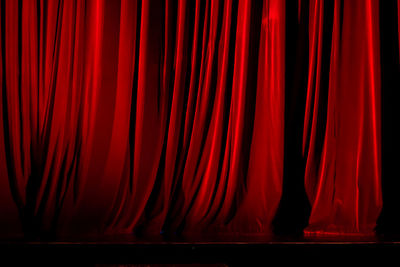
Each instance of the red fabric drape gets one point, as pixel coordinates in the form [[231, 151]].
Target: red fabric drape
[[120, 116], [343, 177]]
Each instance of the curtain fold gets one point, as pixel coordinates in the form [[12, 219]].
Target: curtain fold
[[180, 116]]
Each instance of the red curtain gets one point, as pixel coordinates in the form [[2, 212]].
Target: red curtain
[[151, 116], [342, 174]]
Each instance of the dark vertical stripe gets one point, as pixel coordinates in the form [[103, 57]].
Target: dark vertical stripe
[[389, 220], [293, 211]]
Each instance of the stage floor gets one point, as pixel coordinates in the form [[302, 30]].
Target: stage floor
[[226, 251]]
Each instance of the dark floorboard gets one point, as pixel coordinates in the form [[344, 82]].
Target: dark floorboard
[[204, 251]]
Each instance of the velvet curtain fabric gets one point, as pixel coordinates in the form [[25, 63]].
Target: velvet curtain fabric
[[220, 117]]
